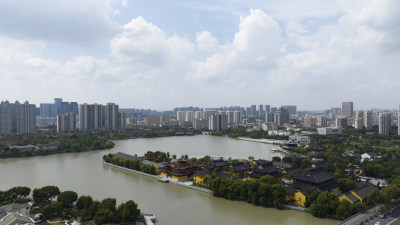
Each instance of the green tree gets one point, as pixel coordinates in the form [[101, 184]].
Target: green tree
[[104, 216], [109, 203], [268, 179], [84, 202], [51, 210], [128, 211], [326, 204], [287, 159], [16, 193], [44, 194], [67, 198], [276, 159], [342, 211]]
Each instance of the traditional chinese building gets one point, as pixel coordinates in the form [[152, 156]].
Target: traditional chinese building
[[179, 170]]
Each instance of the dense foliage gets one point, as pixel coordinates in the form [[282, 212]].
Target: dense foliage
[[242, 132], [255, 192], [103, 212], [130, 164]]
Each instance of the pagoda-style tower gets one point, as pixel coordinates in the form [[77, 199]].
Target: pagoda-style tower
[[317, 157]]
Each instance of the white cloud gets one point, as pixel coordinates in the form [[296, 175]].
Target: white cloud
[[296, 55], [205, 41], [74, 21], [254, 48], [144, 44]]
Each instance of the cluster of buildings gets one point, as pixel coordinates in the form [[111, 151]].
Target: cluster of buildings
[[17, 118], [18, 213], [332, 121], [295, 181], [70, 116]]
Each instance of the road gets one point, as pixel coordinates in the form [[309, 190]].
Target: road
[[390, 218], [362, 216]]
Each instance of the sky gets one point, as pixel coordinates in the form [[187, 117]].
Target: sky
[[162, 54]]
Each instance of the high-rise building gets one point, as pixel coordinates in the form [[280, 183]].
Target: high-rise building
[[385, 123], [322, 121], [86, 117], [281, 116], [359, 114], [274, 109], [189, 117], [97, 116], [248, 111], [112, 117], [17, 118], [237, 117], [261, 110], [368, 120], [253, 110], [57, 103], [267, 108], [48, 110], [292, 109], [347, 109], [358, 123], [200, 124], [66, 122], [310, 122], [218, 122], [336, 111], [180, 116], [132, 121], [230, 115], [199, 115], [341, 121], [269, 117]]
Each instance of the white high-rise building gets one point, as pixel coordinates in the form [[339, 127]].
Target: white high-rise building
[[309, 122], [218, 122], [231, 116], [180, 116], [66, 122], [237, 117], [341, 121], [189, 117], [17, 118], [97, 116], [199, 115], [358, 123], [322, 121], [368, 120], [385, 123]]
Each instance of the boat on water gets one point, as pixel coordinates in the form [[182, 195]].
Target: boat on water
[[163, 179]]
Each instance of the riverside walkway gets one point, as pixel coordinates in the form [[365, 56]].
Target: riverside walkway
[[186, 184], [266, 141]]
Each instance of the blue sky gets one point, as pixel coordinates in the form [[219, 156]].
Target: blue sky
[[162, 54]]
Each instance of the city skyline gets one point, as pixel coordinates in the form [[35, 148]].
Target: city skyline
[[164, 54]]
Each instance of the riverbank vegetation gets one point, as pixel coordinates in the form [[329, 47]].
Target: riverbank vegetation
[[242, 132], [264, 192], [51, 203], [27, 145]]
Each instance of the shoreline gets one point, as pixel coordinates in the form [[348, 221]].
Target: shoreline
[[264, 141], [158, 176]]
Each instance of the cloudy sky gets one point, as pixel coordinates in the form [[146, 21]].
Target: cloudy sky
[[161, 54]]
